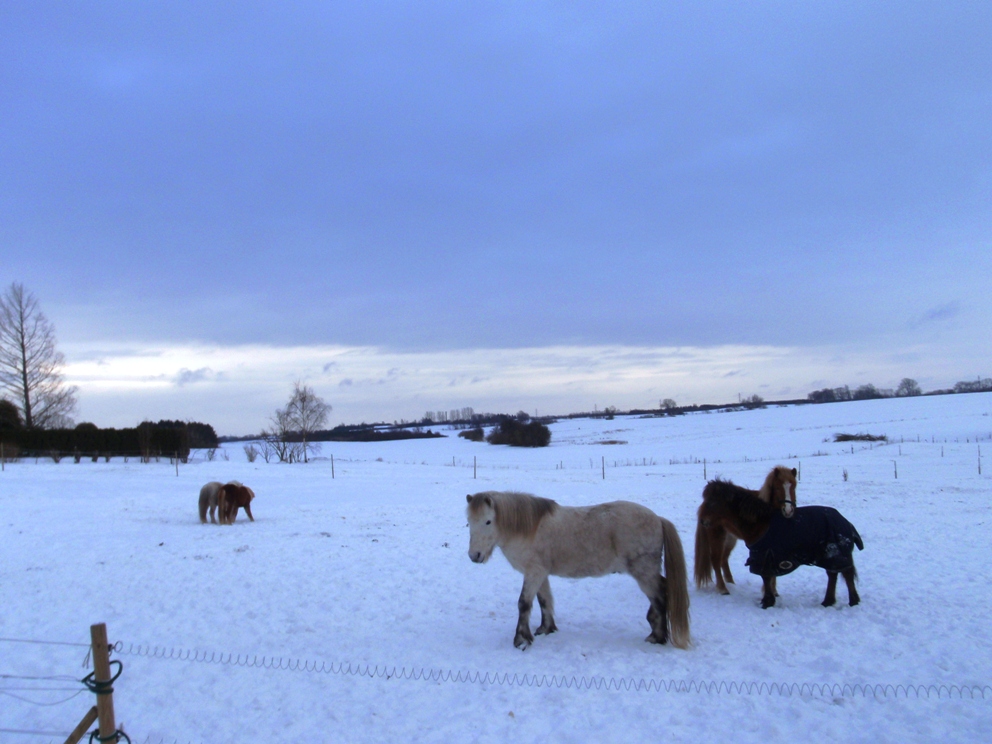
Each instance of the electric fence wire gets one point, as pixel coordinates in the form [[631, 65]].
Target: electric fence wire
[[565, 681], [558, 681], [32, 732], [43, 643], [10, 691], [65, 734]]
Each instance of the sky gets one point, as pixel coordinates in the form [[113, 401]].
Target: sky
[[538, 206]]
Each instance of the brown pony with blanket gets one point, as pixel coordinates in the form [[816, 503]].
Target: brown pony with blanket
[[780, 537]]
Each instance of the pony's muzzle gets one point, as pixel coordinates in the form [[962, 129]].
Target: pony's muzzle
[[475, 556]]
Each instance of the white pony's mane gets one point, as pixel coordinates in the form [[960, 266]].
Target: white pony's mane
[[517, 514]]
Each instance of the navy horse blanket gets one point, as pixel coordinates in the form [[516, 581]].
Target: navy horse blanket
[[812, 536]]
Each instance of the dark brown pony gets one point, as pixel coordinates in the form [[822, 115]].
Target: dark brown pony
[[729, 513], [230, 498], [779, 536]]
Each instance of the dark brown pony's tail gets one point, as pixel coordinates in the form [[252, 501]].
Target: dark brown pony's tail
[[704, 560], [678, 585]]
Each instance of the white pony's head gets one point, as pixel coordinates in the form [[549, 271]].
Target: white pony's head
[[482, 530]]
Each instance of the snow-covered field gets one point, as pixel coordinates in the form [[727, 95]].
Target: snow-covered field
[[370, 568]]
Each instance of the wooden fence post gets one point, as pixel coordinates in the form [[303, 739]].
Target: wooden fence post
[[101, 675], [80, 730]]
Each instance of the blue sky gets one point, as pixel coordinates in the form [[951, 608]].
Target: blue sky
[[409, 204]]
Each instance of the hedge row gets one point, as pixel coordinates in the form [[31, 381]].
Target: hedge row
[[166, 438]]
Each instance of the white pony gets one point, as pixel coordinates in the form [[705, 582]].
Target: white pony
[[541, 538]]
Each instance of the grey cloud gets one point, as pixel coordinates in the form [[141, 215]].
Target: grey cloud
[[941, 313], [190, 377]]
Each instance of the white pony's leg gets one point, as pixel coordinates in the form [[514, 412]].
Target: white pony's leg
[[547, 603], [523, 637], [213, 503], [647, 573]]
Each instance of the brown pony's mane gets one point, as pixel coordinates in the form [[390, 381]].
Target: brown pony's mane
[[778, 475], [517, 514]]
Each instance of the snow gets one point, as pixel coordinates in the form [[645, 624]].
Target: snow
[[370, 568]]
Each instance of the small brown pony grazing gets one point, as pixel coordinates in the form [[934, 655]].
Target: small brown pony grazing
[[729, 512], [541, 538], [780, 537], [230, 498]]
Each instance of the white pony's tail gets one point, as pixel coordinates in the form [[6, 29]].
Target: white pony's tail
[[677, 580]]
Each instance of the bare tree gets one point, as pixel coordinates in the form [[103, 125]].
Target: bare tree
[[908, 387], [30, 366], [280, 440], [306, 413]]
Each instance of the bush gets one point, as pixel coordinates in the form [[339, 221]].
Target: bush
[[978, 386], [11, 452], [517, 434], [473, 435], [10, 417], [860, 438], [867, 392], [830, 395], [908, 387]]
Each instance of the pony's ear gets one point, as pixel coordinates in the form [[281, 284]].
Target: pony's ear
[[489, 501], [468, 498], [793, 472]]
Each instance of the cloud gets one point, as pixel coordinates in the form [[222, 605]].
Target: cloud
[[559, 379], [939, 314], [190, 377]]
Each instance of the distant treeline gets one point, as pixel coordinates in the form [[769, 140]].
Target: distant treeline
[[384, 432], [907, 388], [366, 433], [473, 423], [148, 439]]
